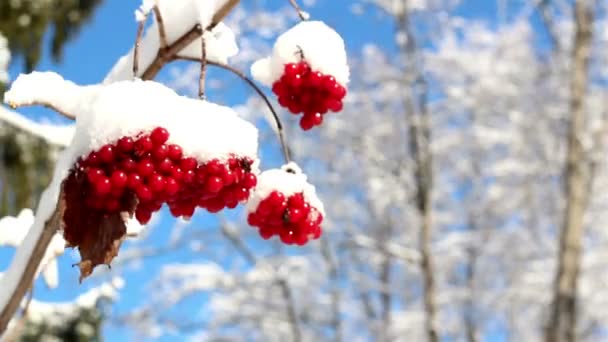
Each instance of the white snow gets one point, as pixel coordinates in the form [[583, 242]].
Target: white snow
[[5, 58], [323, 50], [106, 113], [178, 18], [13, 231], [60, 135], [287, 183]]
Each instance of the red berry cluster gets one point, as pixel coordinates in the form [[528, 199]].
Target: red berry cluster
[[155, 173], [302, 90], [292, 219]]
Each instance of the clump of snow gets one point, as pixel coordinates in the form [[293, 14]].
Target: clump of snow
[[106, 113], [322, 47], [5, 58], [54, 134], [288, 180], [13, 231], [178, 18]]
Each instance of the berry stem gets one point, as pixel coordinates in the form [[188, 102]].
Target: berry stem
[[259, 91], [201, 81], [162, 34], [140, 32], [298, 9]]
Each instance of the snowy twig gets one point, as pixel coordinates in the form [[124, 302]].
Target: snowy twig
[[138, 36], [162, 34], [168, 54], [259, 91], [26, 278], [201, 81], [301, 13], [47, 105]]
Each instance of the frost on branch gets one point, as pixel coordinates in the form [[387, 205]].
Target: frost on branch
[[178, 18], [285, 204], [138, 145], [308, 73]]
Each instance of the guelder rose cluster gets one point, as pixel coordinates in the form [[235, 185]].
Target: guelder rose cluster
[[154, 172], [284, 204], [307, 70]]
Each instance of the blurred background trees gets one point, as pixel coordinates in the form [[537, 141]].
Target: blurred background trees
[[472, 143]]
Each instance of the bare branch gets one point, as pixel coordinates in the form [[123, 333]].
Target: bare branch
[[47, 105], [138, 36], [27, 276], [201, 81], [162, 34], [298, 9]]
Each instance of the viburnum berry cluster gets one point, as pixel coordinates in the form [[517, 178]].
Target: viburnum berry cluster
[[308, 71], [284, 204], [303, 90], [156, 173]]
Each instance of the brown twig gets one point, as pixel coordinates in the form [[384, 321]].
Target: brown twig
[[162, 34], [138, 36], [201, 80], [27, 277], [298, 9], [251, 83], [168, 54], [44, 104]]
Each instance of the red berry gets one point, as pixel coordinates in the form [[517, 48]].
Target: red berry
[[133, 181], [287, 237], [102, 185], [165, 166], [214, 205], [128, 164], [249, 180], [213, 185], [145, 168], [266, 233], [125, 144], [93, 174], [142, 215], [334, 105], [112, 205], [317, 119], [159, 136], [328, 82], [303, 68], [106, 154], [278, 88], [291, 69], [143, 193], [295, 215], [143, 145], [187, 164], [176, 173], [276, 198], [307, 122], [214, 167], [296, 201], [188, 176], [228, 177], [171, 187], [156, 183], [93, 159], [119, 179], [314, 79], [175, 152], [160, 152], [253, 220]]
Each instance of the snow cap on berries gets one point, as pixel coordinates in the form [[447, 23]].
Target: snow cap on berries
[[288, 180], [320, 45]]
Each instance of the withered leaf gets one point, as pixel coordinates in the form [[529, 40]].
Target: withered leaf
[[96, 234]]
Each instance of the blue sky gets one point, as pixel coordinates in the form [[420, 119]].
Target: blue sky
[[88, 58]]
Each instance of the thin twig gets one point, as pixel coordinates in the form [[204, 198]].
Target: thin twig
[[162, 34], [27, 276], [201, 80], [138, 36], [250, 82], [298, 9], [44, 104]]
